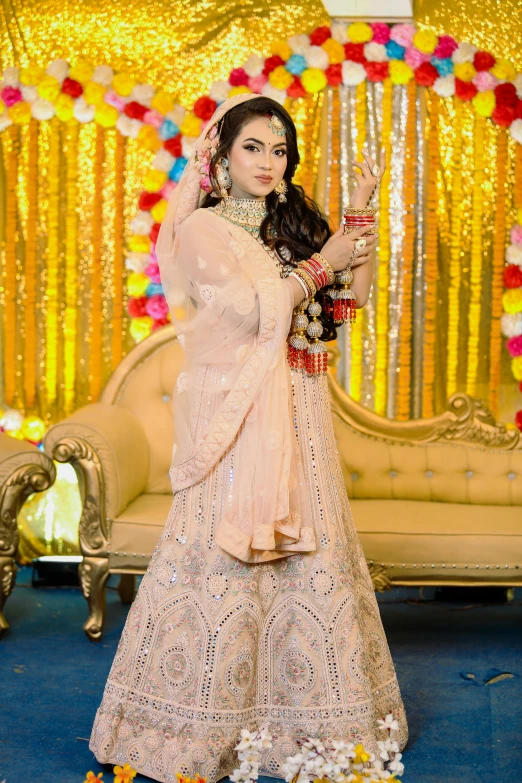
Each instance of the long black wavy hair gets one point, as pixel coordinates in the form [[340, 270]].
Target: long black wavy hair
[[299, 224]]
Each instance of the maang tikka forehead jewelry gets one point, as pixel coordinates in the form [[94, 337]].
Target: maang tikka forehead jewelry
[[276, 125]]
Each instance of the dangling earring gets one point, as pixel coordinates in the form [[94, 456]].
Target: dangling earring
[[281, 190], [223, 177]]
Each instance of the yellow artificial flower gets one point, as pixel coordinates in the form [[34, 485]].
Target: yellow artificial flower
[[94, 93], [512, 300], [239, 90], [33, 428], [2, 106], [426, 41], [359, 32], [162, 102], [92, 778], [485, 102], [33, 74], [49, 88], [148, 138], [154, 180], [280, 78], [19, 113], [106, 115], [313, 80], [400, 72], [139, 243], [16, 434], [140, 328], [516, 366], [191, 125], [504, 70], [334, 50], [519, 216], [362, 756], [64, 106], [282, 49], [124, 774], [465, 71], [123, 83], [82, 72], [137, 284], [158, 210]]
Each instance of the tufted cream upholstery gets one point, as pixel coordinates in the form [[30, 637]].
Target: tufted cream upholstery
[[448, 511]]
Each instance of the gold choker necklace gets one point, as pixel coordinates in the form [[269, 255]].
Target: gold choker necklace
[[248, 213]]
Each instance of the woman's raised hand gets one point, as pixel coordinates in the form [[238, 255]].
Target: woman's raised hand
[[339, 248]]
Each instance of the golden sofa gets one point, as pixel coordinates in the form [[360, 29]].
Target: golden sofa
[[435, 500], [23, 469]]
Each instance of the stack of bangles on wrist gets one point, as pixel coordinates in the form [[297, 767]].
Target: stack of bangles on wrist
[[314, 273]]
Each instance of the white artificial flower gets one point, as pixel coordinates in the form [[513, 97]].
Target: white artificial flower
[[177, 114], [514, 255], [271, 92], [11, 420], [103, 74], [11, 76], [316, 57], [5, 121], [265, 738], [515, 130], [29, 92], [142, 222], [42, 109], [445, 85], [219, 91], [163, 160], [511, 324], [517, 81], [254, 65], [83, 111], [353, 73], [128, 126], [299, 43], [375, 52], [339, 31], [389, 723], [137, 262], [143, 93], [58, 69], [187, 145], [464, 53]]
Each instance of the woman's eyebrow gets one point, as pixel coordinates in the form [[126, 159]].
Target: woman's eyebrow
[[281, 143]]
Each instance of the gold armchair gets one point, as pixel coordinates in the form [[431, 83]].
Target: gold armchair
[[23, 469]]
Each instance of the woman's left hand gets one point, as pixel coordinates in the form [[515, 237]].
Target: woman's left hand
[[366, 181]]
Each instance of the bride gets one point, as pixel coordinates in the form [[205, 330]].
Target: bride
[[257, 606]]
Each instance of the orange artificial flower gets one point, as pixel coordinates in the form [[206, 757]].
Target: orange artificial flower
[[92, 778], [124, 774]]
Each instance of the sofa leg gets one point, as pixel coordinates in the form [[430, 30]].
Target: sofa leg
[[93, 575], [126, 588], [7, 581]]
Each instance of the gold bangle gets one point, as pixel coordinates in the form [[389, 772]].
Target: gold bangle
[[308, 280], [329, 269]]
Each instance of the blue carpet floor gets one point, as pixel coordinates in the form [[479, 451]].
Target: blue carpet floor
[[462, 728]]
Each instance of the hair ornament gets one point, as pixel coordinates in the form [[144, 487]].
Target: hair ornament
[[276, 125]]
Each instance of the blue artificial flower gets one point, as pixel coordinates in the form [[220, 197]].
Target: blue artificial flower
[[177, 169], [168, 130], [153, 289], [296, 65], [444, 66], [395, 51]]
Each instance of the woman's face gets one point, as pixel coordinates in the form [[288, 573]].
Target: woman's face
[[257, 160]]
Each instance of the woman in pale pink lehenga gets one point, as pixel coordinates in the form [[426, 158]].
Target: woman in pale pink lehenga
[[257, 606]]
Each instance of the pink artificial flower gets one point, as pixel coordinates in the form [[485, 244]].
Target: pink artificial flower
[[514, 345], [414, 57], [516, 234], [445, 47], [11, 95], [157, 306], [167, 188], [484, 81], [238, 77], [403, 34], [381, 32], [153, 272], [113, 99], [205, 184], [256, 83], [154, 118]]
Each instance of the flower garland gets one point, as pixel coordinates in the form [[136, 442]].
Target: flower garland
[[71, 268], [30, 266], [356, 329], [10, 268], [455, 251], [53, 250], [96, 272]]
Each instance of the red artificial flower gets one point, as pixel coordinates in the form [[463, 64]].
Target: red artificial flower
[[426, 74], [204, 107], [72, 87], [135, 110], [520, 386], [483, 61], [503, 115], [506, 95], [148, 200], [514, 345], [518, 110], [465, 90], [136, 306], [271, 63], [173, 145], [445, 47], [153, 233], [238, 77], [518, 416], [159, 323], [320, 35], [377, 72], [355, 52], [296, 89], [513, 276], [334, 74]]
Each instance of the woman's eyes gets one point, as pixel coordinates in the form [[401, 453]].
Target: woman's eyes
[[256, 149]]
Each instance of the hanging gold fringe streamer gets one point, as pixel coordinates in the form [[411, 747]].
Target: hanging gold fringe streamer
[[117, 269], [430, 268], [455, 254], [95, 357], [29, 378], [334, 173], [306, 113], [53, 261], [10, 265], [357, 328], [475, 280], [383, 278], [497, 283], [404, 379], [71, 266]]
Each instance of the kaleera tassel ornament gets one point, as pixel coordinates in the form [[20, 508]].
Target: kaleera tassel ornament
[[297, 343], [316, 355], [345, 303]]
